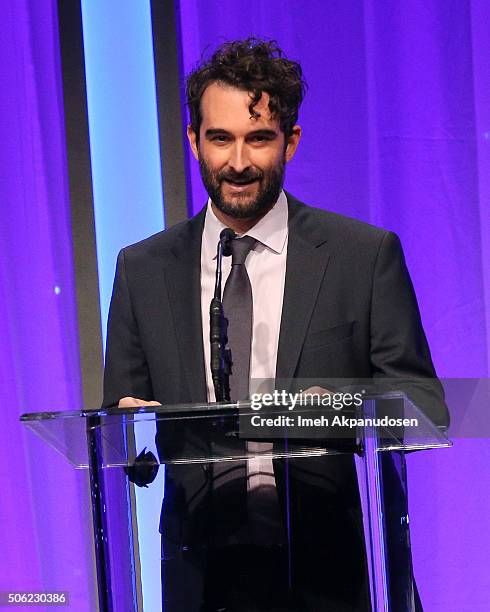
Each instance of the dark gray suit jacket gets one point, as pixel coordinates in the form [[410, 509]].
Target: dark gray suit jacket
[[349, 311]]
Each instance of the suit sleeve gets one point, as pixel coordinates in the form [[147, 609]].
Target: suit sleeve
[[126, 370], [399, 347]]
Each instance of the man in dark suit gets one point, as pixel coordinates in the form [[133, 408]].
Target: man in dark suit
[[346, 309]]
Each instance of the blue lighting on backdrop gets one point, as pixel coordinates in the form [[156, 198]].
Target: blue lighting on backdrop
[[123, 127], [127, 186]]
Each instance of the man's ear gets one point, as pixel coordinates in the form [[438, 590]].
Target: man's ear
[[292, 143], [191, 135]]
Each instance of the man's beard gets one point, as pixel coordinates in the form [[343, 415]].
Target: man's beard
[[240, 205]]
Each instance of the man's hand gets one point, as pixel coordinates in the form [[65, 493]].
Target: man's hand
[[134, 402], [318, 390]]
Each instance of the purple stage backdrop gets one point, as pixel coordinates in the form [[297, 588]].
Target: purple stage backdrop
[[42, 546], [396, 131]]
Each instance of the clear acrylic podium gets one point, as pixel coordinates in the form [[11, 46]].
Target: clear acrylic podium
[[178, 453]]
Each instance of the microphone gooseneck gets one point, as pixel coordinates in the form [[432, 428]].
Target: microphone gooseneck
[[220, 355]]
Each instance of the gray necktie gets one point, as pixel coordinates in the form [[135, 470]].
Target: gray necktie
[[238, 307], [262, 501]]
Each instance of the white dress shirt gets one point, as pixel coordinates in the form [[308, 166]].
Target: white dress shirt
[[266, 267]]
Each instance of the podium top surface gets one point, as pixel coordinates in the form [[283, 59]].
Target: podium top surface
[[200, 433]]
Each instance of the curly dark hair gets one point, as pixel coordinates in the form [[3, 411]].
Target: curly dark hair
[[255, 66]]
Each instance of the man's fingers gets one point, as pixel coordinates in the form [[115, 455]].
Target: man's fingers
[[319, 390], [134, 402]]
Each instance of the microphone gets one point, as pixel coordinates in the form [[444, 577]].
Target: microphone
[[223, 250], [225, 238], [220, 355]]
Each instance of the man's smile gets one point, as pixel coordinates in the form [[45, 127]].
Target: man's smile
[[239, 185]]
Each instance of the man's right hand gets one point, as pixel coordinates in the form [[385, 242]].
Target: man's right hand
[[134, 402]]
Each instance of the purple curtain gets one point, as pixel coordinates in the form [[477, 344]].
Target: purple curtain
[[396, 132], [43, 508]]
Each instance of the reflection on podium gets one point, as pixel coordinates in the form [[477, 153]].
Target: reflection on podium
[[178, 528]]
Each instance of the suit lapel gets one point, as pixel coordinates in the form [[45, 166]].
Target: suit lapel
[[307, 261], [183, 280]]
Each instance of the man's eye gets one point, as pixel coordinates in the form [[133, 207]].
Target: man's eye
[[260, 139], [220, 138]]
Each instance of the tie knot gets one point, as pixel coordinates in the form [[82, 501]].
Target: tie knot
[[240, 248]]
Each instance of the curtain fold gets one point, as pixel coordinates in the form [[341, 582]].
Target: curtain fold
[[44, 508]]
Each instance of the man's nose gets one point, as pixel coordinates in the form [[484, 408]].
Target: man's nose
[[239, 159]]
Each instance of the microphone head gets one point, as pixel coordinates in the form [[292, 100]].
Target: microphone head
[[225, 238]]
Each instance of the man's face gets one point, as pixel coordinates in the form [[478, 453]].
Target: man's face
[[241, 158]]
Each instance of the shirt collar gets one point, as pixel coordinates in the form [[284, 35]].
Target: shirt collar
[[271, 230]]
